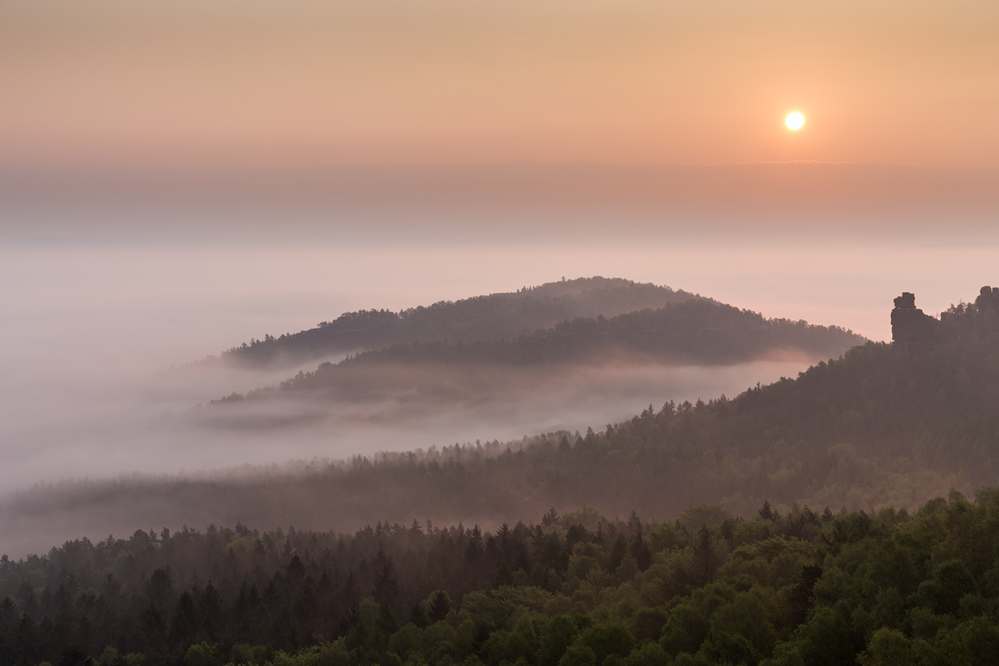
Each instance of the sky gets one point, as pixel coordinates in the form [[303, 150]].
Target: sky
[[179, 177], [234, 83]]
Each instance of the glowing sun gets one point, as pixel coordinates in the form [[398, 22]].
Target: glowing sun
[[794, 120]]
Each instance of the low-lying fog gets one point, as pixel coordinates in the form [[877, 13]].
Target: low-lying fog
[[146, 425], [91, 332], [419, 405], [96, 417], [96, 334]]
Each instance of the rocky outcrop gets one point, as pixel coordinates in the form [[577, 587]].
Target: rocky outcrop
[[912, 331], [988, 297]]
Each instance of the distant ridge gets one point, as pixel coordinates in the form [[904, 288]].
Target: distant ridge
[[875, 428], [696, 332], [499, 316]]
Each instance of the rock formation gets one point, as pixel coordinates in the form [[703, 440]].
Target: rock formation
[[912, 331], [989, 297]]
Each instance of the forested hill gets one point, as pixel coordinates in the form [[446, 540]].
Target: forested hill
[[870, 429], [874, 428], [698, 331], [493, 317], [784, 585]]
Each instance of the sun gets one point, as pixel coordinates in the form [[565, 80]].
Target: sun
[[794, 120]]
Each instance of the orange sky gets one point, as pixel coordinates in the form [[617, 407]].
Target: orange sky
[[238, 82]]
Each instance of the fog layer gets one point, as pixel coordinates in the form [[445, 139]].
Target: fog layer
[[101, 298], [91, 330]]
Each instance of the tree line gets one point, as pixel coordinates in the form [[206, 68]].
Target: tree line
[[575, 589], [871, 429]]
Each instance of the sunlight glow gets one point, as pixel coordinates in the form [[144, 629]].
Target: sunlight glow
[[795, 120]]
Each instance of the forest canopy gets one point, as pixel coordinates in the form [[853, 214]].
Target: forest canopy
[[573, 589]]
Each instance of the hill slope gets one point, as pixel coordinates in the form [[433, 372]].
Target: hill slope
[[493, 317], [698, 331], [781, 588], [870, 429]]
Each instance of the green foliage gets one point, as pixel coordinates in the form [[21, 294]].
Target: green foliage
[[888, 647], [647, 624], [606, 639], [872, 589], [649, 654], [556, 638], [685, 630], [439, 605], [202, 654]]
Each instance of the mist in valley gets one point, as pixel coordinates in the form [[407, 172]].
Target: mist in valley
[[103, 324], [166, 446], [153, 430]]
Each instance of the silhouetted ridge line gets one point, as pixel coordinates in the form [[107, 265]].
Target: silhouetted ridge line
[[698, 331], [870, 429], [493, 317]]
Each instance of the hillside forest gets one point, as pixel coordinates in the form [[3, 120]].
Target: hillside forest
[[871, 429], [697, 331], [796, 523], [574, 589], [501, 316]]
